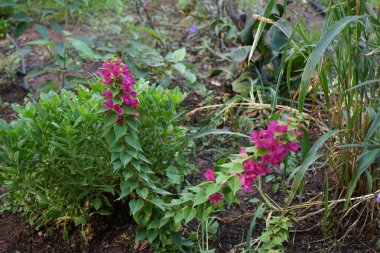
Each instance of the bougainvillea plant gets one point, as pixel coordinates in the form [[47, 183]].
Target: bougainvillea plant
[[270, 148]]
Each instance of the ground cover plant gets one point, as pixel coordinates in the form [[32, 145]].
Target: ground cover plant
[[189, 126]]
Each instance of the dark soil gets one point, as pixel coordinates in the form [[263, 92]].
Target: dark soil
[[10, 93], [113, 234]]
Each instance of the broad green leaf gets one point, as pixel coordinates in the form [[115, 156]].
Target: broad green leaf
[[180, 67], [190, 76], [317, 54], [20, 29], [97, 203], [200, 198], [190, 214], [179, 54], [136, 205], [143, 193], [152, 234], [110, 118], [22, 17], [125, 158], [84, 49], [132, 141], [159, 203], [234, 184], [120, 130], [42, 30], [240, 54]]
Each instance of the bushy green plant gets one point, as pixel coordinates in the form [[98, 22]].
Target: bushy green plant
[[161, 134], [59, 161], [56, 163]]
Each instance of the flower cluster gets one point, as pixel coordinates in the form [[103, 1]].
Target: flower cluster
[[120, 94], [276, 146], [271, 146], [209, 175]]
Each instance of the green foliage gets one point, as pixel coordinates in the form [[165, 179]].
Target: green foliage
[[63, 159], [4, 27], [162, 137], [350, 92], [56, 163], [267, 43], [149, 62], [275, 234]]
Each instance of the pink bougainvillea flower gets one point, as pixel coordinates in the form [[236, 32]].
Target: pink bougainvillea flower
[[130, 101], [116, 74], [243, 150], [107, 94], [108, 104], [246, 181], [118, 109], [293, 146], [272, 142], [120, 120], [214, 198], [209, 175]]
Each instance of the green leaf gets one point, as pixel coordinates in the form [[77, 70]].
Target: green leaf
[[268, 10], [234, 184], [42, 30], [365, 161], [180, 67], [159, 203], [132, 141], [6, 4], [200, 197], [190, 214], [212, 188], [143, 193], [311, 157], [41, 43], [179, 54], [20, 29], [110, 118], [190, 76], [24, 51], [22, 17], [84, 49], [97, 203], [136, 205], [217, 131], [152, 234], [120, 130], [240, 53], [317, 54], [125, 158]]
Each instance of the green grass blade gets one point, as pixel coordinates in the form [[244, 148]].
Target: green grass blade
[[259, 212], [365, 161], [317, 54], [260, 29], [311, 157], [217, 131]]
